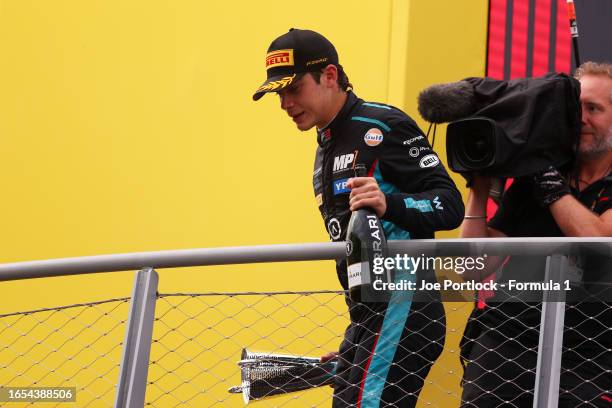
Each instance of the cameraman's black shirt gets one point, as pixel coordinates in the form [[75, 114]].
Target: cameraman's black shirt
[[520, 216]]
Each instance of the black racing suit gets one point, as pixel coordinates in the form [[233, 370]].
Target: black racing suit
[[388, 349]]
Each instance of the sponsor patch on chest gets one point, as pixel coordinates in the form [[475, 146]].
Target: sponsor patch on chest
[[373, 137], [343, 161], [340, 186]]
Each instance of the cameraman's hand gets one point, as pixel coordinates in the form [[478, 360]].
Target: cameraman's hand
[[548, 186], [480, 185]]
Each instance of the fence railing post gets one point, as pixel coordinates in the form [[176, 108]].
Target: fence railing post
[[548, 370], [132, 384]]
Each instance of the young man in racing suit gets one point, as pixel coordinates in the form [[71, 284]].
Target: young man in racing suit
[[388, 349]]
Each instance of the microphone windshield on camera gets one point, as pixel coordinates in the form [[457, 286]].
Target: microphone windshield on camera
[[447, 102]]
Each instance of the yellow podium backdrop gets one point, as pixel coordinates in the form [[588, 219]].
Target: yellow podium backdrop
[[128, 126]]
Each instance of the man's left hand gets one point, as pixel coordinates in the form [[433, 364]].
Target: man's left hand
[[548, 186], [365, 192]]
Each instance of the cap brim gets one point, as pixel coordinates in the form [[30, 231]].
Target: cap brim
[[273, 84]]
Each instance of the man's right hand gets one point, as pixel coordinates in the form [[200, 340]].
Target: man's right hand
[[332, 355]]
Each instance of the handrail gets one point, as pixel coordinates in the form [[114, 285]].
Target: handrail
[[171, 259], [285, 253]]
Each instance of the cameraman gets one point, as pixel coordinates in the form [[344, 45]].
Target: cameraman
[[500, 344]]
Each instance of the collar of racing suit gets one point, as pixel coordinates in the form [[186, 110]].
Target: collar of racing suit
[[324, 134]]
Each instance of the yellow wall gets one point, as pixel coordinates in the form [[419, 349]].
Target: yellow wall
[[129, 126]]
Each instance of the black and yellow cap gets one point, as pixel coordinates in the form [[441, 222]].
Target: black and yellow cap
[[293, 53]]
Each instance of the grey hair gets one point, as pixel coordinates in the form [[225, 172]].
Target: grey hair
[[595, 69]]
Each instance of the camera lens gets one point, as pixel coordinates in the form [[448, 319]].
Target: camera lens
[[475, 149], [471, 144]]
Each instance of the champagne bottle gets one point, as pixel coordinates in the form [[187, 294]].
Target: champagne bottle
[[366, 251]]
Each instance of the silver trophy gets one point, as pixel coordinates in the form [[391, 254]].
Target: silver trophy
[[264, 375]]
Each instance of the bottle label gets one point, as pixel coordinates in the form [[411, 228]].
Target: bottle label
[[355, 271]]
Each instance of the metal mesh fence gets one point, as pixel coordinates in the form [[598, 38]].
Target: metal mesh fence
[[586, 372], [496, 361], [68, 346], [500, 352], [198, 340]]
